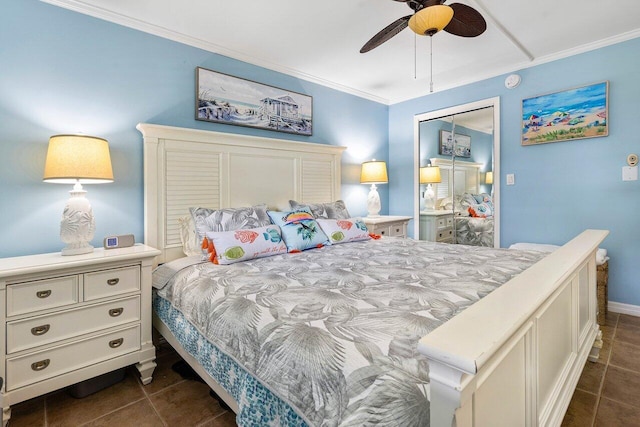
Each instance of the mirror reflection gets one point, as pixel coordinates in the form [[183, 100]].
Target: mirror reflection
[[456, 159]]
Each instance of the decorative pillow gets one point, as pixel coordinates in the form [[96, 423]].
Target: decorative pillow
[[467, 199], [482, 198], [333, 210], [480, 210], [241, 245], [300, 230], [344, 230], [228, 219], [190, 244]]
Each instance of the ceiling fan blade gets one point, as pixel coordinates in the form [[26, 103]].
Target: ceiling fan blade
[[386, 33], [466, 22]]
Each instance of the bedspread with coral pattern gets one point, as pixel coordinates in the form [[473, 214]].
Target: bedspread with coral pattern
[[474, 231], [333, 332]]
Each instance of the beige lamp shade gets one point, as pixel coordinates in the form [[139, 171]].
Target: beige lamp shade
[[430, 175], [78, 158], [374, 172], [431, 19], [488, 178]]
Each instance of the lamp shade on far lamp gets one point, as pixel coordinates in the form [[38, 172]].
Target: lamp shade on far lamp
[[488, 177], [430, 175], [77, 160], [374, 172]]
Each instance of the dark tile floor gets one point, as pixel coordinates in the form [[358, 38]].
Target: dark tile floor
[[169, 400], [608, 393]]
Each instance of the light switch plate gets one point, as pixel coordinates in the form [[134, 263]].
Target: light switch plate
[[511, 179]]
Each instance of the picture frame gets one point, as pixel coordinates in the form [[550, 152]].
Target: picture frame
[[222, 98], [576, 113], [462, 144]]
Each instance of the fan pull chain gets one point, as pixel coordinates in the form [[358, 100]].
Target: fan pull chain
[[415, 56], [431, 64]]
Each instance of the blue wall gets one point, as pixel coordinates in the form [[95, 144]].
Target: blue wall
[[560, 188], [66, 72], [63, 72]]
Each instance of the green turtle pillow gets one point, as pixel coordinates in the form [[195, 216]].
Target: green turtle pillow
[[241, 245], [344, 230]]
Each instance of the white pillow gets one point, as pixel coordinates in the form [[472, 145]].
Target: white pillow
[[190, 245], [344, 230], [241, 245]]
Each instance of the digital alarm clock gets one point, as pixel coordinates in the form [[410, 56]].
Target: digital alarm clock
[[120, 241]]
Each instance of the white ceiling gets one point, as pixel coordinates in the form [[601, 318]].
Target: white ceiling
[[320, 40]]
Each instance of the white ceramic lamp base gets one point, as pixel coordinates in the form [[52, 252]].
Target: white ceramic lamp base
[[373, 202], [429, 199], [77, 226]]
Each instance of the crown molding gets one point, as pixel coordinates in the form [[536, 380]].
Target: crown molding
[[136, 24], [116, 18]]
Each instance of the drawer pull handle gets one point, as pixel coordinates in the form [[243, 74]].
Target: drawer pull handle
[[40, 330], [116, 343], [113, 282], [39, 366], [43, 294], [115, 312]]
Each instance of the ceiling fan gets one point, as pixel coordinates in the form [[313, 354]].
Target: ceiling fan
[[429, 17]]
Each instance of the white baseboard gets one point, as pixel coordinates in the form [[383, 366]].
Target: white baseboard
[[618, 307]]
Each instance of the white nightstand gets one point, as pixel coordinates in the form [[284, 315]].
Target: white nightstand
[[70, 318], [387, 225], [436, 226]]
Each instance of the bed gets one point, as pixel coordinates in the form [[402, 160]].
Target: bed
[[511, 358], [474, 220], [473, 209]]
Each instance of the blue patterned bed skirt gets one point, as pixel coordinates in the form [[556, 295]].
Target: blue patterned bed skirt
[[258, 405]]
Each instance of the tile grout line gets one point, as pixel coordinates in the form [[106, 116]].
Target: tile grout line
[[604, 373], [113, 411]]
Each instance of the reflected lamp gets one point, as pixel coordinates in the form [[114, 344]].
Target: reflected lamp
[[430, 175], [374, 172], [77, 160]]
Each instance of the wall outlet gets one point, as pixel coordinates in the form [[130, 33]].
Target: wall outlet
[[511, 179]]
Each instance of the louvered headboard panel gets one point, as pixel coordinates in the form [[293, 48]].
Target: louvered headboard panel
[[184, 168]]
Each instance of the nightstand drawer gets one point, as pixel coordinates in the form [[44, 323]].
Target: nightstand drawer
[[111, 282], [36, 331], [444, 235], [396, 230], [38, 295], [445, 221], [29, 369]]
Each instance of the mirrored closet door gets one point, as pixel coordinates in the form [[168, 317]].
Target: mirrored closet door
[[457, 174]]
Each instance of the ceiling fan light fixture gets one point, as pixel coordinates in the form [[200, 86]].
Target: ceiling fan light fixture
[[429, 20]]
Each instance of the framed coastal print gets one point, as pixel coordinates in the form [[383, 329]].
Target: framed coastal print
[[222, 98], [461, 145], [571, 114]]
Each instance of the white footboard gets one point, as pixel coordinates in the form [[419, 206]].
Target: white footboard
[[515, 357]]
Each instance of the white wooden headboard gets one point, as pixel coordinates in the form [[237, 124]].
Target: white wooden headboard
[[467, 177], [185, 168]]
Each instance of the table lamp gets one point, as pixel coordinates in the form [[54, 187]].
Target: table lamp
[[373, 172], [77, 159], [430, 175], [488, 177]]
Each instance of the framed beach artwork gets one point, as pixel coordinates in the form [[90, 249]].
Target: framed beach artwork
[[571, 114], [222, 98], [462, 144]]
